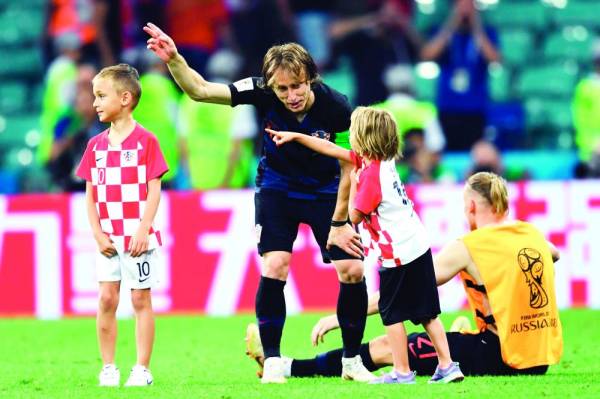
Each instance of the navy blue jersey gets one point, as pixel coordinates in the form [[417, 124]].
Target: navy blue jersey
[[293, 168]]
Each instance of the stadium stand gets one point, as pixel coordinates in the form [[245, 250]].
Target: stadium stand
[[516, 45], [530, 15], [574, 43], [21, 71], [546, 49], [576, 13]]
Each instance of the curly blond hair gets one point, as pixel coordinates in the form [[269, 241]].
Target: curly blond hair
[[373, 134]]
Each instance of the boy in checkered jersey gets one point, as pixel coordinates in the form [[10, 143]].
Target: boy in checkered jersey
[[408, 289], [122, 167]]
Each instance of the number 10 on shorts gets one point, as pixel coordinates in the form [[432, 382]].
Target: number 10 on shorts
[[143, 270]]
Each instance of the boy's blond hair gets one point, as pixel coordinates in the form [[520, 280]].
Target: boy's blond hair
[[291, 57], [124, 78], [373, 134]]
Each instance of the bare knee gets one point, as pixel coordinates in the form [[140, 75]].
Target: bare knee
[[108, 301], [141, 300], [350, 271], [382, 343], [381, 351], [276, 265]]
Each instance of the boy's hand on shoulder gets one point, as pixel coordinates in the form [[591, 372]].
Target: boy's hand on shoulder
[[139, 242], [105, 245]]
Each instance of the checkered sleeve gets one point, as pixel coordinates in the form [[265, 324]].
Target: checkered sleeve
[[156, 166], [84, 170]]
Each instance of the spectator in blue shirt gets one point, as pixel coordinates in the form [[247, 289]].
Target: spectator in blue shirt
[[463, 47]]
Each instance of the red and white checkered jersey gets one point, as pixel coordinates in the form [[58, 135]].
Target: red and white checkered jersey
[[120, 177], [395, 230]]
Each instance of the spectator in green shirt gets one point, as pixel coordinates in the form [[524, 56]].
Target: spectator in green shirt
[[586, 115], [219, 140], [59, 91]]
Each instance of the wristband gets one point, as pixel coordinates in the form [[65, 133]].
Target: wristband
[[336, 223]]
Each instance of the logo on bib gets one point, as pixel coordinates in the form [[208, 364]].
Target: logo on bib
[[532, 265]]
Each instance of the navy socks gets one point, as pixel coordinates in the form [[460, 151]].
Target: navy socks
[[270, 314]]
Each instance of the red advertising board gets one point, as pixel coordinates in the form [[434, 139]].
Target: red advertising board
[[209, 262]]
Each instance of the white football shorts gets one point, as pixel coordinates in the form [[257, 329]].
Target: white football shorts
[[135, 273]]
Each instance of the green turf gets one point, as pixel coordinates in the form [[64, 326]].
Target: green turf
[[202, 357]]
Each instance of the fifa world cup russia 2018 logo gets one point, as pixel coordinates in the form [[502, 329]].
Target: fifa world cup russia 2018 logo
[[532, 265]]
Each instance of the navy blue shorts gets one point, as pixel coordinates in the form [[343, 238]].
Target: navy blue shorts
[[478, 354], [277, 218], [409, 292]]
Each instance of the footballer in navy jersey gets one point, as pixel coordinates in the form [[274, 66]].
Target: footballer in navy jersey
[[294, 185], [294, 169]]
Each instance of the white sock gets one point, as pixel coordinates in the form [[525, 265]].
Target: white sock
[[287, 366]]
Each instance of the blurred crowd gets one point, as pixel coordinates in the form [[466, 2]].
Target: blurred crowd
[[209, 146]]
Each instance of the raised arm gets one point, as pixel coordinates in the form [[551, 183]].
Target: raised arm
[[434, 48], [484, 44], [316, 144], [190, 81]]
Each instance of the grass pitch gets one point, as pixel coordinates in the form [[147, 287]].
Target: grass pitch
[[203, 357]]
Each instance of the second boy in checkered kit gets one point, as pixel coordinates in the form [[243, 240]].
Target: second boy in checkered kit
[[122, 167]]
